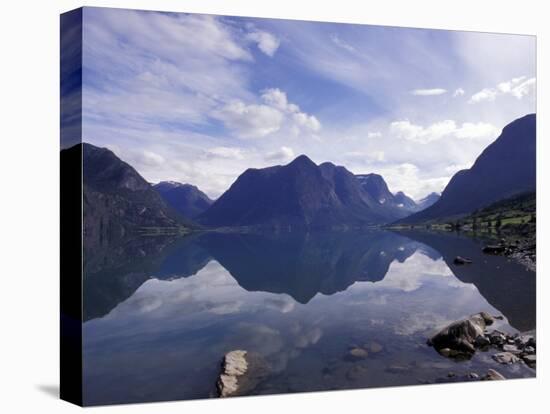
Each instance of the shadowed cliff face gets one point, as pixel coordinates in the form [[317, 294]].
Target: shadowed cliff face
[[505, 284], [504, 168], [116, 199], [186, 199]]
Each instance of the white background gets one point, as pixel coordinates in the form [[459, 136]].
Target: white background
[[29, 204]]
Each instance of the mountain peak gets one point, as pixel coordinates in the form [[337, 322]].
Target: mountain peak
[[302, 160]]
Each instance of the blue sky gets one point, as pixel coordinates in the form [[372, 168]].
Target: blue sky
[[200, 98]]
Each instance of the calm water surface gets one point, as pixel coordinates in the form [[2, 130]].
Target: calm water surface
[[161, 313]]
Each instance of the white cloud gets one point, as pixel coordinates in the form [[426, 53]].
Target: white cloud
[[517, 87], [339, 42], [146, 158], [278, 99], [267, 42], [258, 120], [429, 92], [283, 154], [376, 134], [448, 128], [225, 152], [458, 92], [249, 121]]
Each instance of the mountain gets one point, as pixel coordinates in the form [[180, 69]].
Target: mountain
[[398, 205], [375, 185], [300, 194], [504, 168], [116, 199], [404, 201], [186, 199], [428, 201]]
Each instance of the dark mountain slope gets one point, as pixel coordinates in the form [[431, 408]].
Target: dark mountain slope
[[298, 195], [116, 199], [186, 199], [504, 168]]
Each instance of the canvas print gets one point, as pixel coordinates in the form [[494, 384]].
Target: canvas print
[[268, 206]]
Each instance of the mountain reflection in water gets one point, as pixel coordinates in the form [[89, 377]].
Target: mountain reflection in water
[[162, 312]]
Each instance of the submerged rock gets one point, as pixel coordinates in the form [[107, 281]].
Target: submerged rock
[[493, 375], [375, 347], [359, 353], [459, 260], [494, 249], [241, 373], [459, 337]]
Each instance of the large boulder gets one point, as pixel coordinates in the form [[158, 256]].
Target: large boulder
[[460, 337]]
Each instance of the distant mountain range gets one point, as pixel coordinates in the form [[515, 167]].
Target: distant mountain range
[[186, 199], [400, 204], [427, 201], [505, 168], [298, 195], [116, 199]]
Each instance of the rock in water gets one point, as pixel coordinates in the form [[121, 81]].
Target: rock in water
[[460, 336], [375, 347], [234, 366], [359, 353], [530, 360], [241, 373], [505, 358], [511, 348], [494, 249], [493, 375], [459, 260]]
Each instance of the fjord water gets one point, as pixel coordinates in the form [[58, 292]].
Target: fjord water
[[161, 313]]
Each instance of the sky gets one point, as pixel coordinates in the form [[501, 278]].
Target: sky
[[200, 98]]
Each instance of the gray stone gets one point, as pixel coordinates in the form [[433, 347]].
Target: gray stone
[[530, 359], [461, 335], [511, 348], [473, 375], [529, 350], [241, 372], [482, 341], [493, 375], [505, 358], [497, 338], [459, 260], [234, 366]]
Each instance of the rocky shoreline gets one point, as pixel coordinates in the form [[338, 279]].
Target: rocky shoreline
[[463, 338], [523, 250]]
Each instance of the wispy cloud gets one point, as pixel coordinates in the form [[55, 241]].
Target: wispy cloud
[[267, 42], [443, 129], [429, 92], [517, 87]]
